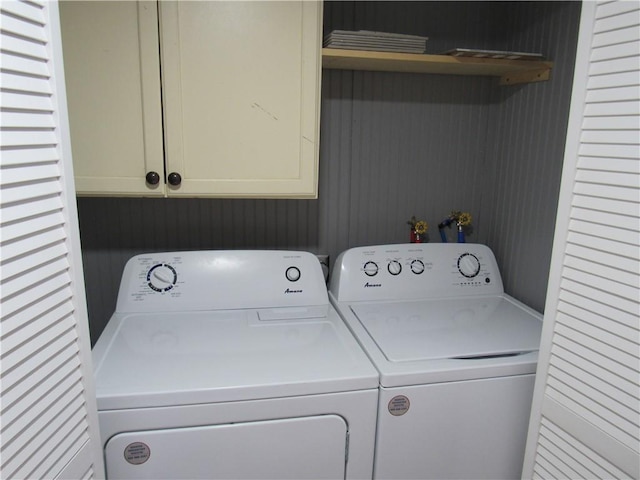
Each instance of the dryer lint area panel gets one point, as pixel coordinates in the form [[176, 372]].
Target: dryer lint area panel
[[296, 448]]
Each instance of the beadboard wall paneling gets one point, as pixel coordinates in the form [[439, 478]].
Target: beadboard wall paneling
[[334, 189], [387, 153], [525, 150], [391, 145], [402, 160]]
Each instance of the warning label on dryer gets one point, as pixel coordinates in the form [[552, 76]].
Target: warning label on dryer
[[398, 405], [137, 453]]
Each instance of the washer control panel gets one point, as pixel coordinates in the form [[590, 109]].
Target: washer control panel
[[216, 279], [406, 271]]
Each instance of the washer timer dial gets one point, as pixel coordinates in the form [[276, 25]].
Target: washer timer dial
[[162, 277], [394, 267], [468, 265]]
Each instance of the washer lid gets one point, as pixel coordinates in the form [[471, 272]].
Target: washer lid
[[146, 360], [458, 328]]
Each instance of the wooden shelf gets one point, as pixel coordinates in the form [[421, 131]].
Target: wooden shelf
[[511, 72]]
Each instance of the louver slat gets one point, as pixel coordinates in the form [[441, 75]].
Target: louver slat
[[33, 155], [613, 164], [36, 396], [606, 24], [19, 83], [25, 11], [597, 243], [36, 260], [22, 120], [593, 229], [608, 178], [618, 108], [38, 307], [594, 465], [52, 268], [30, 173], [20, 46], [15, 64], [626, 386], [620, 35], [613, 94]]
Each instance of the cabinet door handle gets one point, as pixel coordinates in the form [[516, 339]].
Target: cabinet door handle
[[152, 178], [174, 179]]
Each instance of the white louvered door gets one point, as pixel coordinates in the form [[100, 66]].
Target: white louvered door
[[585, 418], [49, 425]]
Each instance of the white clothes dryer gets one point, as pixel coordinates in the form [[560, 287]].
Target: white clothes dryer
[[232, 364], [456, 357]]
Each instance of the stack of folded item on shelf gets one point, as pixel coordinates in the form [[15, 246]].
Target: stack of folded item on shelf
[[495, 54], [375, 41]]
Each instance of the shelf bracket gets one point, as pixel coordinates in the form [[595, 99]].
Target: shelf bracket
[[526, 76]]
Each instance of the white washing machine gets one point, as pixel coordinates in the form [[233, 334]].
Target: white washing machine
[[232, 364], [456, 357]]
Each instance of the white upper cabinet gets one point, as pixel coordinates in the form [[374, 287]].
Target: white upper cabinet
[[240, 92], [112, 75], [239, 104]]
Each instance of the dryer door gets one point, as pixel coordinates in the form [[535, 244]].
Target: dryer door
[[307, 447]]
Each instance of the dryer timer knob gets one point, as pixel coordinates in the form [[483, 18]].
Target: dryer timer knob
[[161, 277]]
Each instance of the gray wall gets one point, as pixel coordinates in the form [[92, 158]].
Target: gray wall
[[525, 149], [392, 146]]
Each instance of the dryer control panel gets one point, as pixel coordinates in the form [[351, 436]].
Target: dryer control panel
[[218, 279], [415, 271]]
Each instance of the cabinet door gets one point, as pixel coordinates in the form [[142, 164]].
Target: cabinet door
[[112, 74], [241, 86]]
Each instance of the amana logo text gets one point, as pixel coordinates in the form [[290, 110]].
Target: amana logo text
[[367, 285], [288, 290]]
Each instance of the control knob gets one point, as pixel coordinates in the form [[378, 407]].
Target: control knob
[[161, 277], [417, 267], [468, 265], [292, 274], [394, 267], [370, 268]]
